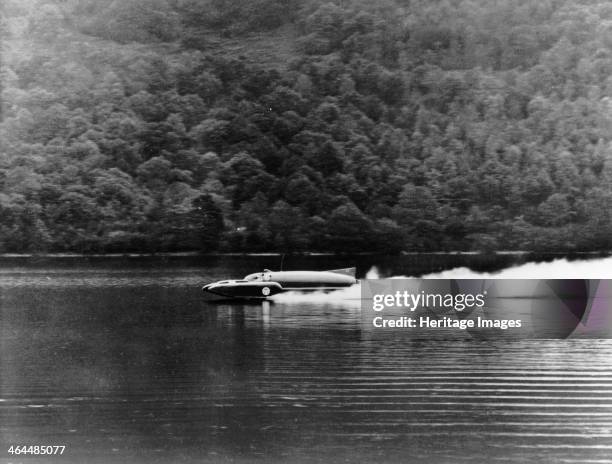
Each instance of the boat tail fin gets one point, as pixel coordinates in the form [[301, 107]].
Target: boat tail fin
[[349, 271]]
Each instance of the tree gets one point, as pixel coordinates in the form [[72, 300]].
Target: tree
[[135, 20], [348, 229], [211, 223], [246, 176], [363, 125]]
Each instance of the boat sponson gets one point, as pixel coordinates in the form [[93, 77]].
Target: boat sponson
[[235, 289]]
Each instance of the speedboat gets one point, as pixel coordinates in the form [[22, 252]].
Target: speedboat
[[262, 285]]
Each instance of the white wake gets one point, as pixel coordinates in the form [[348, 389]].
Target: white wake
[[557, 269]]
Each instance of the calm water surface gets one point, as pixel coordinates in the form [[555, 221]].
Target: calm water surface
[[122, 361]]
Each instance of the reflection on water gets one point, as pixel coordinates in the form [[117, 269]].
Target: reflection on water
[[131, 365]]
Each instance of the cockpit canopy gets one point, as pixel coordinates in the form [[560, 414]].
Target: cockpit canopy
[[259, 276]]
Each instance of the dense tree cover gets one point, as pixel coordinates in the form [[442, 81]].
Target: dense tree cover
[[405, 124]]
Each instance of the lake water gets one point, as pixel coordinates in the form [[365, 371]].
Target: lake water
[[122, 361]]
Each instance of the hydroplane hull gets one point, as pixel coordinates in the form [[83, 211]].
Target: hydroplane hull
[[265, 284]]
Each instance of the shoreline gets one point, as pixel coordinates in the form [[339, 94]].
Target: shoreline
[[188, 254]]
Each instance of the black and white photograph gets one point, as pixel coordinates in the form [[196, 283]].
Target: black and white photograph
[[305, 231]]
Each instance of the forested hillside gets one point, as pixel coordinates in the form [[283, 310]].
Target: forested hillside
[[347, 125]]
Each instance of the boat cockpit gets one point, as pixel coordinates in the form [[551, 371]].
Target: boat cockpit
[[259, 276]]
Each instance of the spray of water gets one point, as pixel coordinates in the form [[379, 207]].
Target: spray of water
[[348, 294], [557, 269]]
